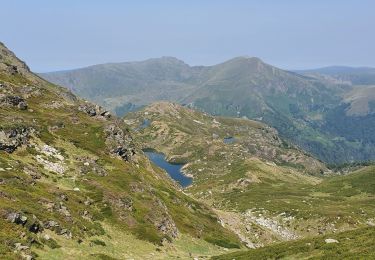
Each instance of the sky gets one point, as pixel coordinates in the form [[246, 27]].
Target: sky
[[291, 34]]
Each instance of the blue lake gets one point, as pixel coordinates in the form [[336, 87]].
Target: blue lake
[[174, 170]]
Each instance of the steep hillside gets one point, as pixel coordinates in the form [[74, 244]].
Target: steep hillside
[[263, 188], [299, 106], [73, 181]]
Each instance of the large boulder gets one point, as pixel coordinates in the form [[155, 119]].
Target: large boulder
[[17, 218]]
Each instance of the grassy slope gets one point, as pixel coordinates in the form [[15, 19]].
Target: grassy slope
[[357, 191], [79, 139], [355, 244]]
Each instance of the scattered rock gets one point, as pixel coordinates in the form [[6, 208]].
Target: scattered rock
[[20, 247], [331, 240], [91, 166], [33, 172], [51, 225], [88, 202], [126, 203], [65, 232], [63, 197], [63, 210], [54, 105], [86, 215]]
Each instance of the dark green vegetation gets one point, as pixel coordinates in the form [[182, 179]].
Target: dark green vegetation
[[356, 244], [327, 114], [263, 188], [74, 182]]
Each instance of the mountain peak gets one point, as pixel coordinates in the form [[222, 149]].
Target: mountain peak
[[247, 58], [255, 63], [167, 60]]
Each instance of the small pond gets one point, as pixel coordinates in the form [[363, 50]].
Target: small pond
[[145, 123], [229, 140], [174, 170]]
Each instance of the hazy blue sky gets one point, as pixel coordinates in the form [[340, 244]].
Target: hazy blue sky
[[54, 35]]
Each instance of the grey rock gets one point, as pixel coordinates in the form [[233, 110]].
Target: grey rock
[[11, 139], [17, 218], [13, 101]]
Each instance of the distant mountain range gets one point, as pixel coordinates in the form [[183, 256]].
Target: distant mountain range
[[351, 75], [324, 111]]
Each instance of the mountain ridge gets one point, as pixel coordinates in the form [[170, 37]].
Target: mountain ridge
[[304, 108]]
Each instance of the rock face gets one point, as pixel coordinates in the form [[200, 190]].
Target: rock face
[[13, 101], [120, 143], [11, 139]]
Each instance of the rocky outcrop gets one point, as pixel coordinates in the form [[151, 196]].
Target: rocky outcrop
[[163, 220], [13, 101], [94, 111], [120, 142], [11, 139]]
